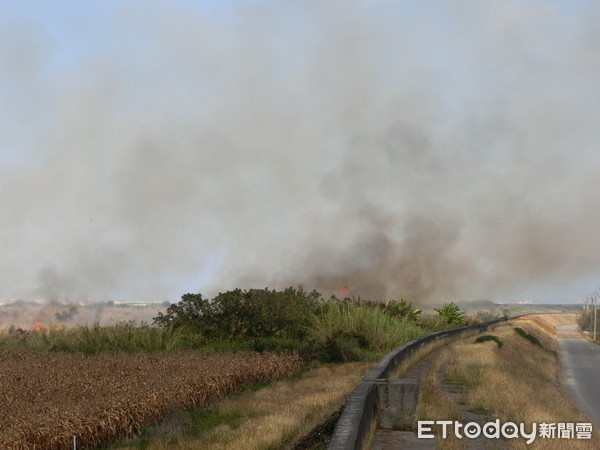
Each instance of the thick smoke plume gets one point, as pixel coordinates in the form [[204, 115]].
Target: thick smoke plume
[[391, 148]]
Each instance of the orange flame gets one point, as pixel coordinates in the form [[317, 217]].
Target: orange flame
[[342, 292], [38, 326]]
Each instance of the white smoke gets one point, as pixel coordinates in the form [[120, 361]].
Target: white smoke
[[395, 148]]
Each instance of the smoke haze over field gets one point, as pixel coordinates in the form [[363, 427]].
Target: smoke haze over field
[[397, 149]]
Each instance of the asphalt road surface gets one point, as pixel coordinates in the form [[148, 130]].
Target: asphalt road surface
[[580, 360]]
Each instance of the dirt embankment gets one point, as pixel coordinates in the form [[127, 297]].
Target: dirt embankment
[[549, 322]]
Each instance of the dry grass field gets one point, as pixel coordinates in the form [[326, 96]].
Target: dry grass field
[[519, 382], [274, 417], [547, 322], [48, 397]]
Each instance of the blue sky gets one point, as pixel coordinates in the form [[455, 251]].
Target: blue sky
[[426, 150]]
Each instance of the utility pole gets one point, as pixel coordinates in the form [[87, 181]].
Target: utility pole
[[594, 299], [587, 321]]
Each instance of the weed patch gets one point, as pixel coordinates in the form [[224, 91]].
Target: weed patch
[[530, 337], [206, 419], [321, 435], [489, 337]]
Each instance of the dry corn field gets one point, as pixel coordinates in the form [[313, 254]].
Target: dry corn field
[[48, 397]]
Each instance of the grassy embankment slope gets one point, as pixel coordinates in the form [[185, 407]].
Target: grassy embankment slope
[[519, 382]]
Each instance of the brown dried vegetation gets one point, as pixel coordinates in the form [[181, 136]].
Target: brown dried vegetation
[[47, 398]]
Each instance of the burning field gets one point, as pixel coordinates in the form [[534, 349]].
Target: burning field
[[47, 398]]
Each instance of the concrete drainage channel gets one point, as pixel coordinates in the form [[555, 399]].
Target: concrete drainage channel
[[379, 401]]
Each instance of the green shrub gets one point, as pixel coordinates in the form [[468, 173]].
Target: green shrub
[[450, 314], [489, 337], [531, 338]]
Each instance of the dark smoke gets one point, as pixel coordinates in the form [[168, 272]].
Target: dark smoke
[[393, 148]]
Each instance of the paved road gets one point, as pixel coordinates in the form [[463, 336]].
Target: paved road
[[580, 360]]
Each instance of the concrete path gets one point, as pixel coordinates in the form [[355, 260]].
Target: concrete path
[[393, 439], [580, 361]]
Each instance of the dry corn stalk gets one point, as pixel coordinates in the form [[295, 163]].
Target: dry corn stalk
[[49, 397]]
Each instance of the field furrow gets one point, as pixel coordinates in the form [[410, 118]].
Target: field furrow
[[48, 398]]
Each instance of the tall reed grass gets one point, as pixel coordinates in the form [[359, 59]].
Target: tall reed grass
[[344, 331], [122, 337]]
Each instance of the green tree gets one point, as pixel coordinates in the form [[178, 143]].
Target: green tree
[[244, 314], [265, 313], [193, 311]]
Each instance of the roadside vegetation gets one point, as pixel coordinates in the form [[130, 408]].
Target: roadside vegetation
[[328, 330], [518, 381], [585, 320], [313, 335]]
